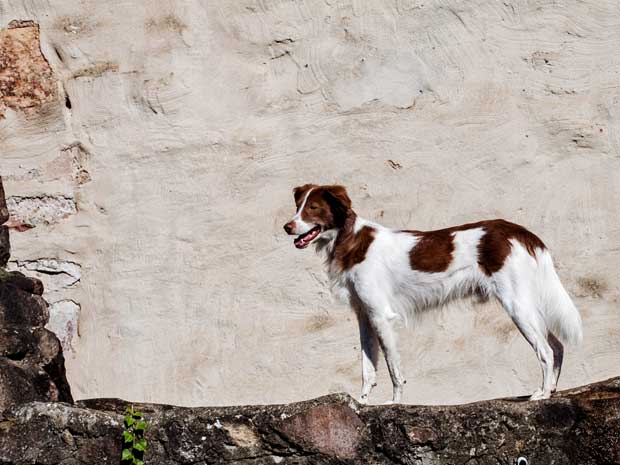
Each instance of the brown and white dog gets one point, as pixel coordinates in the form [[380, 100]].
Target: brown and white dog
[[387, 275]]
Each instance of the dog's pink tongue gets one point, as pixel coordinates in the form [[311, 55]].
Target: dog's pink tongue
[[303, 241]]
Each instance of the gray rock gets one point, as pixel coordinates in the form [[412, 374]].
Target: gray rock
[[5, 246], [579, 426], [31, 360], [4, 212]]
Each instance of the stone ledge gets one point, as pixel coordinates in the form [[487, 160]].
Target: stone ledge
[[579, 426]]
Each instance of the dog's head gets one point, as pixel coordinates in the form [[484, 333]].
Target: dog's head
[[320, 209]]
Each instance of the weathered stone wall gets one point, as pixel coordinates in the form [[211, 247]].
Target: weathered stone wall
[[149, 150]]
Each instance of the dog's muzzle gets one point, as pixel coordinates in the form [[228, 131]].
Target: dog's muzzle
[[290, 227]]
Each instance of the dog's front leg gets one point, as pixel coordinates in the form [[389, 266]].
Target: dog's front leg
[[383, 324], [370, 351]]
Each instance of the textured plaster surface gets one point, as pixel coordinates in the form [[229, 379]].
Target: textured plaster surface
[[180, 128]]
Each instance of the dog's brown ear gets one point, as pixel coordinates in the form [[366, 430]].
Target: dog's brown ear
[[338, 200], [299, 192], [338, 194]]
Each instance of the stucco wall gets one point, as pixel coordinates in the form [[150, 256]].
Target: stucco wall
[[152, 170]]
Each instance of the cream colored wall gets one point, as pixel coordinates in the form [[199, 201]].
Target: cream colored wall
[[189, 124]]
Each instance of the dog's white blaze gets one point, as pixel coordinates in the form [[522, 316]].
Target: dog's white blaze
[[301, 227]]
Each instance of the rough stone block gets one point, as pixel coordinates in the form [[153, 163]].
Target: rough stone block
[[19, 307], [4, 212], [64, 320], [5, 246], [31, 359], [26, 78], [33, 211], [579, 426], [21, 281]]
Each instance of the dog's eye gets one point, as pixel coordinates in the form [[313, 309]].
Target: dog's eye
[[314, 207]]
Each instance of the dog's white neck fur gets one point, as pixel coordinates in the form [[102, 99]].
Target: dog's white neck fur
[[340, 282]]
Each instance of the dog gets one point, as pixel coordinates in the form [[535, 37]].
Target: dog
[[389, 275]]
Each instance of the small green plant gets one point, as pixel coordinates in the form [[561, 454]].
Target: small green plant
[[134, 443]]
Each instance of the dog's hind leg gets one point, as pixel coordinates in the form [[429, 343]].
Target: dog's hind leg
[[370, 353], [383, 324], [543, 350], [558, 357], [515, 287], [528, 322]]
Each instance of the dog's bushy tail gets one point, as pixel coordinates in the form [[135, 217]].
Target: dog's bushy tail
[[558, 311]]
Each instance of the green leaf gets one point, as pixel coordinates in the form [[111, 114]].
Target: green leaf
[[129, 410], [129, 421], [140, 426], [140, 445], [128, 437], [138, 462], [127, 455], [137, 414]]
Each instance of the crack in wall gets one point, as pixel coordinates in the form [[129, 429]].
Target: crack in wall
[[55, 274]]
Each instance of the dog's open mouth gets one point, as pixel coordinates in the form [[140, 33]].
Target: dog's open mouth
[[303, 240]]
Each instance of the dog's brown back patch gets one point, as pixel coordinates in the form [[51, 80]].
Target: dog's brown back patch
[[433, 252], [495, 245]]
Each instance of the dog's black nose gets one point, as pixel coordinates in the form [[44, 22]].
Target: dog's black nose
[[288, 228]]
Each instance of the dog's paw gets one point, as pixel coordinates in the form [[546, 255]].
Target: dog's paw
[[539, 394]]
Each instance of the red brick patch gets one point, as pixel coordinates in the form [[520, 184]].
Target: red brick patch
[[26, 79]]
